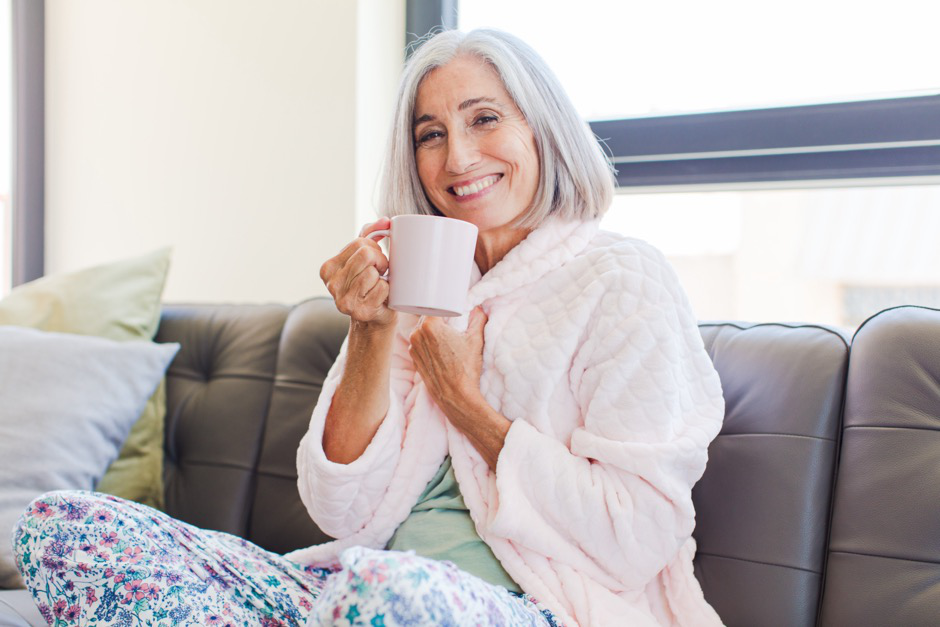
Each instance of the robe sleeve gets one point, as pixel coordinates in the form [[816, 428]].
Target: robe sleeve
[[342, 498], [618, 496]]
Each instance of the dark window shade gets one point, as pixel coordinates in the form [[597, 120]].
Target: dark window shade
[[868, 139]]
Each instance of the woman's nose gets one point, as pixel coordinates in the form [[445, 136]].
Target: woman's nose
[[462, 153]]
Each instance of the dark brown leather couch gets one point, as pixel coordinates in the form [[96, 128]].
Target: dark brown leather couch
[[820, 503]]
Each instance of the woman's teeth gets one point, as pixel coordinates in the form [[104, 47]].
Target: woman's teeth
[[479, 186]]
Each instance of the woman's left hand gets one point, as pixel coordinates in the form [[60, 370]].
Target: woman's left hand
[[450, 362]]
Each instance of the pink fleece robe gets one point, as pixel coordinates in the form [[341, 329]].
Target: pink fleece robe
[[593, 353]]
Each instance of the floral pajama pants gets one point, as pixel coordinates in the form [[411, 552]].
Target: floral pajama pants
[[94, 559]]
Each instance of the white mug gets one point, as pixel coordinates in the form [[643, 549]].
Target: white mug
[[430, 262]]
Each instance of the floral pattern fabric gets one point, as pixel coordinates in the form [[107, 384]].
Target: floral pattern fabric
[[393, 588], [95, 559]]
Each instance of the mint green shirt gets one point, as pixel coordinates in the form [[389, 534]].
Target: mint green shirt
[[439, 527]]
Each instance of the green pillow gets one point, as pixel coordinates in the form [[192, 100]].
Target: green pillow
[[119, 301]]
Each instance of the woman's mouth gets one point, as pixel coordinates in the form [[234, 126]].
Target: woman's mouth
[[476, 187]]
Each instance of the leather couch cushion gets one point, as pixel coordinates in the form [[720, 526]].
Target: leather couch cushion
[[239, 398], [884, 554], [763, 503]]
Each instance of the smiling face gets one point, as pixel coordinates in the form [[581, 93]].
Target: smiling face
[[475, 153]]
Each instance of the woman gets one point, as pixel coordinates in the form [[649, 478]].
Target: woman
[[574, 404], [537, 455]]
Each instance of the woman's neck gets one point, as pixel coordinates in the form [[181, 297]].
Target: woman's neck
[[493, 245]]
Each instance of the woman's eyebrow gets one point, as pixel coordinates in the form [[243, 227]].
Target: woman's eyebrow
[[466, 104]]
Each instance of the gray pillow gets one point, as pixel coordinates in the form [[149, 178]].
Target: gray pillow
[[67, 403]]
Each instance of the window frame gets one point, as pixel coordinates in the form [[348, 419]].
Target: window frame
[[28, 180], [425, 16]]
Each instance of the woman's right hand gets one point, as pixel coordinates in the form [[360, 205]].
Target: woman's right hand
[[361, 400], [354, 279]]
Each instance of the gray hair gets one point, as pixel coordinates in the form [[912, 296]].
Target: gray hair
[[576, 181]]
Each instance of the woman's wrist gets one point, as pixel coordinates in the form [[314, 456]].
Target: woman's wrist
[[373, 329], [485, 427], [464, 403]]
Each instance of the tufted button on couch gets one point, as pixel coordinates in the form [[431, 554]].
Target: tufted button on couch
[[820, 504]]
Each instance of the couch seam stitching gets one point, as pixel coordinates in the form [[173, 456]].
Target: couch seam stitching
[[742, 559], [889, 427], [887, 557], [779, 435]]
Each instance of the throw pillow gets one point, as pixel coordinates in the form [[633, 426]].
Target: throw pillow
[[120, 301], [68, 404]]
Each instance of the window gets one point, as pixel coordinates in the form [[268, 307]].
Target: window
[[785, 157], [828, 255], [6, 144], [620, 58]]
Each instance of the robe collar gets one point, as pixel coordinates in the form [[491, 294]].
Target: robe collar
[[545, 249]]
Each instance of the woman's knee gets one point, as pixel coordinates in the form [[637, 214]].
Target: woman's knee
[[59, 505], [395, 571], [45, 517], [402, 588]]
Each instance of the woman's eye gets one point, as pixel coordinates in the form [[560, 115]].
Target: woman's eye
[[486, 120], [429, 137]]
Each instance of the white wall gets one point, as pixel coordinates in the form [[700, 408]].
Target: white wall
[[246, 134], [380, 54]]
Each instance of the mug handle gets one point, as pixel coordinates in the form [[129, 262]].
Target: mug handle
[[377, 236]]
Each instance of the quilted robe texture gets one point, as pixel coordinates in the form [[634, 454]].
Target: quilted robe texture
[[593, 353]]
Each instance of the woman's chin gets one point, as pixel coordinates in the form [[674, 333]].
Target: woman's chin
[[484, 219]]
